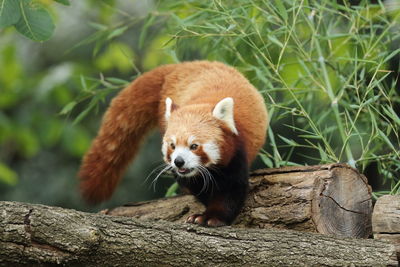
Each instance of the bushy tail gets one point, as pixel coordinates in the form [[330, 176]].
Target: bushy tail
[[132, 113]]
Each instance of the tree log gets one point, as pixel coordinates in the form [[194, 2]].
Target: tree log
[[386, 220], [41, 235], [332, 199]]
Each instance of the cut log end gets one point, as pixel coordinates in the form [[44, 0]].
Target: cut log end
[[342, 204]]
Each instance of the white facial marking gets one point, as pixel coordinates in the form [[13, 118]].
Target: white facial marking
[[191, 139], [212, 151], [168, 106], [173, 138], [164, 149], [224, 111]]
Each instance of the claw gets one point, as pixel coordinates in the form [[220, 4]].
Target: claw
[[202, 219], [192, 218]]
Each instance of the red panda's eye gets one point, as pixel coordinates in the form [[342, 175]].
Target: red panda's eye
[[194, 146], [172, 146]]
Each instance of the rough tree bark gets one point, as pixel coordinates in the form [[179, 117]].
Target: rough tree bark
[[386, 220], [331, 199], [41, 235]]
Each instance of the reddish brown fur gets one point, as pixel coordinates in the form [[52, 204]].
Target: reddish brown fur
[[195, 87], [203, 155], [130, 115]]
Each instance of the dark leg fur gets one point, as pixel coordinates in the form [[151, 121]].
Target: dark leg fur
[[225, 198]]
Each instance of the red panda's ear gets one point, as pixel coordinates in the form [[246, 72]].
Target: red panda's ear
[[169, 107], [223, 110]]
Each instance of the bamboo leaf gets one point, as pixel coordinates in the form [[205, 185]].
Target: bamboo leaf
[[116, 32], [145, 28], [386, 139], [267, 161], [68, 108], [90, 107], [117, 81], [392, 114], [172, 190], [288, 141], [281, 9]]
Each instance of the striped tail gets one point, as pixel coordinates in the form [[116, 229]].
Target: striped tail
[[132, 113]]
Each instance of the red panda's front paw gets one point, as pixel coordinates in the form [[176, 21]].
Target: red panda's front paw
[[202, 219]]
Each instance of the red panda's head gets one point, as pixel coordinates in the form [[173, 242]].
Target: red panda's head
[[198, 136]]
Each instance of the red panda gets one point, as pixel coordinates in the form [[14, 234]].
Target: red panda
[[213, 123]]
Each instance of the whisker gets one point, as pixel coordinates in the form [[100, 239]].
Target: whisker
[[158, 176], [206, 174], [212, 178], [204, 180], [209, 177], [161, 166]]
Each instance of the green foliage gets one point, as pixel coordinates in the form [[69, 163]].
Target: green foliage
[[28, 114], [9, 12], [7, 175], [109, 53], [172, 190], [322, 67], [34, 23], [28, 17]]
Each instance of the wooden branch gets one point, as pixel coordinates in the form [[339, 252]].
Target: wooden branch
[[330, 199], [41, 235], [386, 220]]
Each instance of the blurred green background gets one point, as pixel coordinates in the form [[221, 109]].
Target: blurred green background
[[328, 70]]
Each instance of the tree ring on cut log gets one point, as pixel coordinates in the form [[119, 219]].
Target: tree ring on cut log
[[342, 204]]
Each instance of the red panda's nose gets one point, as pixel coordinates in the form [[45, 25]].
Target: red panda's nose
[[179, 162]]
